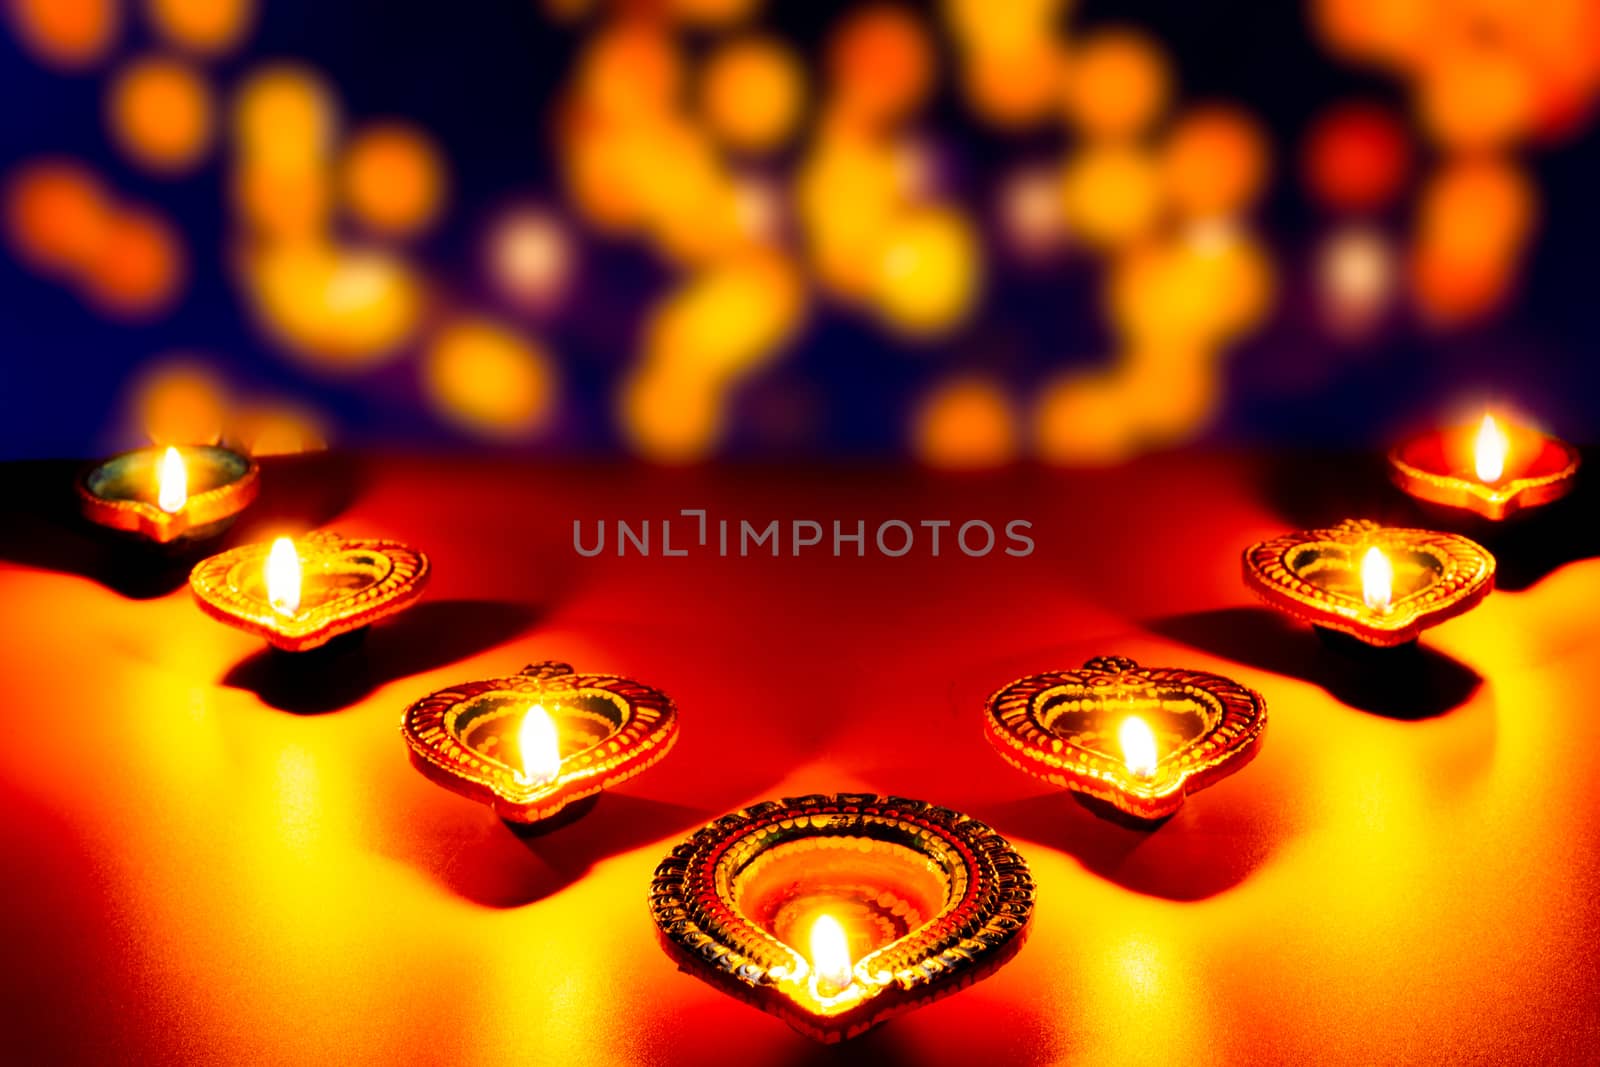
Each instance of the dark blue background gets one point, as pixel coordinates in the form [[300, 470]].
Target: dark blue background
[[482, 75]]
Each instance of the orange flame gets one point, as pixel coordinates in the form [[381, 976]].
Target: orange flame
[[1377, 579], [172, 482], [283, 577], [1489, 454], [540, 747], [830, 955], [1138, 747]]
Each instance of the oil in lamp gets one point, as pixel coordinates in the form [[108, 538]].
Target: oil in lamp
[[166, 495], [1133, 739], [299, 595], [534, 744], [1494, 467], [1380, 585], [835, 913]]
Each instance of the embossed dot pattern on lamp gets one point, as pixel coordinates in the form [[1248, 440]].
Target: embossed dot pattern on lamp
[[1315, 576], [1064, 727], [930, 901], [346, 585], [467, 738]]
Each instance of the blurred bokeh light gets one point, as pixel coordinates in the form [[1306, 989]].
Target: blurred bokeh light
[[180, 400], [753, 91], [161, 113], [966, 423], [71, 34], [972, 232], [206, 27], [393, 178], [489, 379], [530, 258]]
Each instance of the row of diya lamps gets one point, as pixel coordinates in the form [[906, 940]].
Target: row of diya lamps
[[837, 912]]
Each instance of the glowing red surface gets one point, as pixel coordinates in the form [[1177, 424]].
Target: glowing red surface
[[209, 856]]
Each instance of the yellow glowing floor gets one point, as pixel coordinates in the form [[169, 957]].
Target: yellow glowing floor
[[207, 858]]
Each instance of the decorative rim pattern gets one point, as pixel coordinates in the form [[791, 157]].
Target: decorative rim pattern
[[1018, 726], [645, 733], [202, 513], [310, 627], [705, 934], [1467, 577], [1494, 502]]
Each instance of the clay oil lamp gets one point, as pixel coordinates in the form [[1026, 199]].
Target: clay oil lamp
[[534, 745], [172, 495], [1132, 741], [835, 913], [300, 594], [1380, 585], [1494, 467]]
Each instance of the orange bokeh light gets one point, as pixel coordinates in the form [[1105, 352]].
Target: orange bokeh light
[[393, 178], [881, 64], [161, 113], [985, 26], [277, 429], [489, 379], [966, 424], [283, 202], [1172, 391], [1117, 82], [687, 195], [1215, 161], [73, 34], [343, 309], [1474, 95], [1394, 32], [284, 116], [631, 70], [1017, 85], [208, 27], [1080, 419], [138, 267], [602, 163], [1473, 220], [726, 319], [670, 416], [848, 189], [1477, 208], [752, 92], [1112, 194], [56, 215], [928, 272], [1223, 277], [181, 402]]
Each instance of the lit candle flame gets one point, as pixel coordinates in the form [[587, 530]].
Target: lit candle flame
[[1489, 455], [1377, 579], [540, 747], [172, 482], [830, 955], [1138, 747], [283, 577]]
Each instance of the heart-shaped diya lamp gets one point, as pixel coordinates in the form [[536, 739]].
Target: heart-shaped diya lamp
[[1495, 468], [1137, 738], [301, 594], [837, 912], [530, 745], [172, 494], [1378, 584]]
